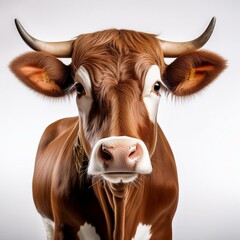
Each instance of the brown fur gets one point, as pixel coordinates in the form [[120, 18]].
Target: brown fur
[[117, 61], [57, 194]]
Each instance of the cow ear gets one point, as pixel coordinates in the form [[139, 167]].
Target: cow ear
[[192, 72], [43, 73]]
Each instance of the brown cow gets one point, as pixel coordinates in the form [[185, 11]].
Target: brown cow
[[109, 173]]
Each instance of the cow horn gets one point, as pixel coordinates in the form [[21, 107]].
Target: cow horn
[[174, 49], [58, 49]]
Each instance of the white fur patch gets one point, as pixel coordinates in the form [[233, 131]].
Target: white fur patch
[[82, 76], [49, 227], [143, 232], [150, 99], [87, 232], [85, 102]]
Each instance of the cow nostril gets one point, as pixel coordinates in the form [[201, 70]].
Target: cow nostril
[[135, 153], [132, 151], [105, 154]]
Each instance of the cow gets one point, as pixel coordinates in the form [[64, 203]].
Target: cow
[[109, 173]]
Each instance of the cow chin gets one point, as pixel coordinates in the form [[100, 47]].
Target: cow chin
[[119, 159], [119, 177]]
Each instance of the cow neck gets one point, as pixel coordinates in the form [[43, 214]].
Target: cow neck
[[113, 199], [119, 196]]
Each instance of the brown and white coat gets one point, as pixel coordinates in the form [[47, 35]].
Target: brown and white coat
[[109, 173]]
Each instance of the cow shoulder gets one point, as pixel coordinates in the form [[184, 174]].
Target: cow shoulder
[[56, 130]]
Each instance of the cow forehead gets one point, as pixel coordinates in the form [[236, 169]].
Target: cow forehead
[[117, 51], [153, 74]]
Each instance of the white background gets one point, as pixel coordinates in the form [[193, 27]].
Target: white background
[[203, 131]]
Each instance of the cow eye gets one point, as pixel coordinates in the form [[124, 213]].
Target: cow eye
[[80, 89], [157, 87]]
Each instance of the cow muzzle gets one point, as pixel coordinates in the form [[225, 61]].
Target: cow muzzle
[[119, 159]]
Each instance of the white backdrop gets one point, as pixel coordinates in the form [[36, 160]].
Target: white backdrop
[[203, 131]]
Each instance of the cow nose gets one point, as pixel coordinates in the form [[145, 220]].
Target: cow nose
[[120, 154], [119, 158]]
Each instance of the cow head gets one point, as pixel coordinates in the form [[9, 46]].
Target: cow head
[[117, 76]]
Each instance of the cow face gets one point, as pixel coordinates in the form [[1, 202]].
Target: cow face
[[118, 89], [117, 76], [115, 125]]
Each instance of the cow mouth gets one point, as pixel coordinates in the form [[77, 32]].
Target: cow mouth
[[118, 177]]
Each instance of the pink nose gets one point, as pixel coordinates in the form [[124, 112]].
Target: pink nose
[[120, 156]]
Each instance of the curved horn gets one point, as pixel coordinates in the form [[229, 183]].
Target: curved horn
[[174, 49], [58, 49]]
